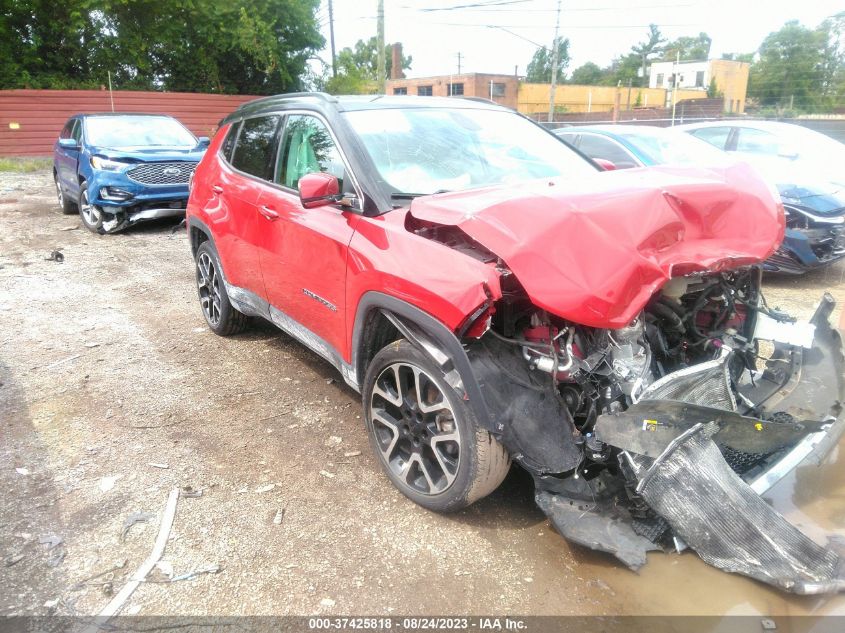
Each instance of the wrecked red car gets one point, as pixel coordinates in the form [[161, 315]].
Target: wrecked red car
[[496, 298]]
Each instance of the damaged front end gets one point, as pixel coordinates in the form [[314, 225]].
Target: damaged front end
[[632, 365], [663, 435]]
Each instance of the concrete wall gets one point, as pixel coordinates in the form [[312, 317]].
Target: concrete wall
[[30, 120]]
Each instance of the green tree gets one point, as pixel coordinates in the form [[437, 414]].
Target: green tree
[[249, 46], [690, 48], [641, 53], [357, 68], [588, 74], [789, 71], [540, 67], [713, 90]]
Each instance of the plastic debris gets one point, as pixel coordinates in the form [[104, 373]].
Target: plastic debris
[[327, 602], [107, 483], [326, 473], [265, 488], [159, 465], [22, 471], [352, 453], [132, 519], [280, 514]]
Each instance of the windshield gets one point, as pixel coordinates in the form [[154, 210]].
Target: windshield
[[137, 131], [665, 147], [427, 150]]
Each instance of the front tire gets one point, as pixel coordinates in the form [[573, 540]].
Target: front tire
[[426, 437], [220, 315], [91, 215]]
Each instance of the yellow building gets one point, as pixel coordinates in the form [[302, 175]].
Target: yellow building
[[534, 98], [730, 77]]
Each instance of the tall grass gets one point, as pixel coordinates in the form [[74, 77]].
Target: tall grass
[[25, 164]]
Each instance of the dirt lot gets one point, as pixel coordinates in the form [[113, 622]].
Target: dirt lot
[[106, 368]]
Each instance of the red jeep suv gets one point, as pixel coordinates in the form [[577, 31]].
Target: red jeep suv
[[495, 296]]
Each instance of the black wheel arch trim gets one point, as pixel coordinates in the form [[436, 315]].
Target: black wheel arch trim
[[422, 330]]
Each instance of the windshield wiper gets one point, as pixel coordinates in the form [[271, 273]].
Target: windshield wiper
[[403, 195]]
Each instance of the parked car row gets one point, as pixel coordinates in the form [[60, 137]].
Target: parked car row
[[496, 297], [804, 165]]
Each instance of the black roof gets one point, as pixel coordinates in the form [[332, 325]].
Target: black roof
[[350, 103]]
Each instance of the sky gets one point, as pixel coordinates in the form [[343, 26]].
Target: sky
[[505, 33]]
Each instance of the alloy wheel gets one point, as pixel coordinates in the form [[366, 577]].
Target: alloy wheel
[[90, 213], [415, 428], [208, 282]]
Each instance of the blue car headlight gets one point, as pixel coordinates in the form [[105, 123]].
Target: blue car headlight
[[106, 164]]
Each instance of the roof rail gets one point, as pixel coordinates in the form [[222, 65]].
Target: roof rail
[[288, 95]]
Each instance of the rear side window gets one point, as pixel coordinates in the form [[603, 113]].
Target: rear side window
[[256, 147], [596, 146], [716, 136], [229, 143], [757, 142]]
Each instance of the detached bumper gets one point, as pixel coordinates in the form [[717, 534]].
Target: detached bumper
[[695, 472], [803, 250]]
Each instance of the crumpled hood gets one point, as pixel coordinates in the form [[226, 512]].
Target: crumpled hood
[[595, 250]]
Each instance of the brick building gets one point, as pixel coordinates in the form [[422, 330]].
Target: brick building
[[503, 89]]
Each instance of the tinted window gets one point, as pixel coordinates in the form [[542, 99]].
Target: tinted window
[[256, 146], [307, 147], [77, 131], [716, 136], [756, 142], [569, 137], [229, 143], [596, 146], [67, 130]]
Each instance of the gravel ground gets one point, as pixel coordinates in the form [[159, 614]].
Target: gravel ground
[[113, 392]]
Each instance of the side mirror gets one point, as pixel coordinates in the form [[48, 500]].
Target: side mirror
[[68, 143], [605, 164], [318, 189], [203, 141]]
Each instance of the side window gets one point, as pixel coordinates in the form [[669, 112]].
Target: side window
[[570, 138], [229, 143], [756, 142], [716, 136], [596, 146], [256, 146], [307, 147], [67, 130], [77, 131]]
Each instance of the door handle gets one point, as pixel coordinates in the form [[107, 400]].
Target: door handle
[[217, 189], [268, 213]]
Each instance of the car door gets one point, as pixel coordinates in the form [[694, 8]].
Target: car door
[[304, 252], [67, 158], [240, 183]]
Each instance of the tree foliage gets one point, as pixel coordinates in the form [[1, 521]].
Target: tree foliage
[[357, 68], [246, 46], [540, 67], [691, 49], [790, 67], [587, 74]]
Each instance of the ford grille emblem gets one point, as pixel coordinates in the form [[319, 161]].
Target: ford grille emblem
[[171, 171]]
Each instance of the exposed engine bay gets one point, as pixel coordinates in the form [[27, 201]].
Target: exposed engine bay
[[645, 437]]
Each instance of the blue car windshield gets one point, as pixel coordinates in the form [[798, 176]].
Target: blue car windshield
[[123, 132], [669, 147]]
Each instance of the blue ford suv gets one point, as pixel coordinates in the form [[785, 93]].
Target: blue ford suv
[[120, 169]]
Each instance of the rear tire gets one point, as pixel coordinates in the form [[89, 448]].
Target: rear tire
[[67, 205], [431, 447], [220, 315]]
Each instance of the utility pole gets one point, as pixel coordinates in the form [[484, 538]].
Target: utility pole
[[554, 66], [331, 38], [459, 62], [675, 85], [380, 44]]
